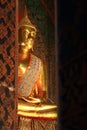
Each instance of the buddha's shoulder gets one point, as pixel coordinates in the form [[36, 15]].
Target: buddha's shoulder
[[36, 58]]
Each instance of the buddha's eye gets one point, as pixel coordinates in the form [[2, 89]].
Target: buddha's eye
[[33, 33]]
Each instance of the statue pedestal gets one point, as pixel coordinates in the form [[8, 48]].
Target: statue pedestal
[[36, 124], [37, 116]]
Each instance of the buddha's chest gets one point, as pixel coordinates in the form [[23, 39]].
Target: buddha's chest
[[22, 69]]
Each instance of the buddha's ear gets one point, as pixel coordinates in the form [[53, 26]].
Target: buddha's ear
[[32, 48], [33, 34]]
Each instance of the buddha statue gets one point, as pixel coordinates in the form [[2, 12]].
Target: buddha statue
[[29, 66], [30, 76]]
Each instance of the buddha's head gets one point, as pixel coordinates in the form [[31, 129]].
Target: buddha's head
[[27, 33]]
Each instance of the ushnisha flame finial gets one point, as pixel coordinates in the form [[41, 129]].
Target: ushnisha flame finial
[[25, 22]]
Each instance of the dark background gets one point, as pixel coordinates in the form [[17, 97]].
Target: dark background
[[72, 64]]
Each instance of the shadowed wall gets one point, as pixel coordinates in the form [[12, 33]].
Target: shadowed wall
[[72, 30]]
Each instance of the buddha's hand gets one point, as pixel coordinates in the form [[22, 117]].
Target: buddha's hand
[[31, 99]]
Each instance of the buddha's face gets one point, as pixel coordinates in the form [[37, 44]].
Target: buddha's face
[[25, 33], [28, 40]]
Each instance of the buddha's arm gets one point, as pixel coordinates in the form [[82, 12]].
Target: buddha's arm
[[39, 86]]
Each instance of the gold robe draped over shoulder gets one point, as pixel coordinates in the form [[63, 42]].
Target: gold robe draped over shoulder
[[30, 84]]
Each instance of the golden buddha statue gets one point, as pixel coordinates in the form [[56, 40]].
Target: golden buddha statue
[[30, 75], [30, 66]]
